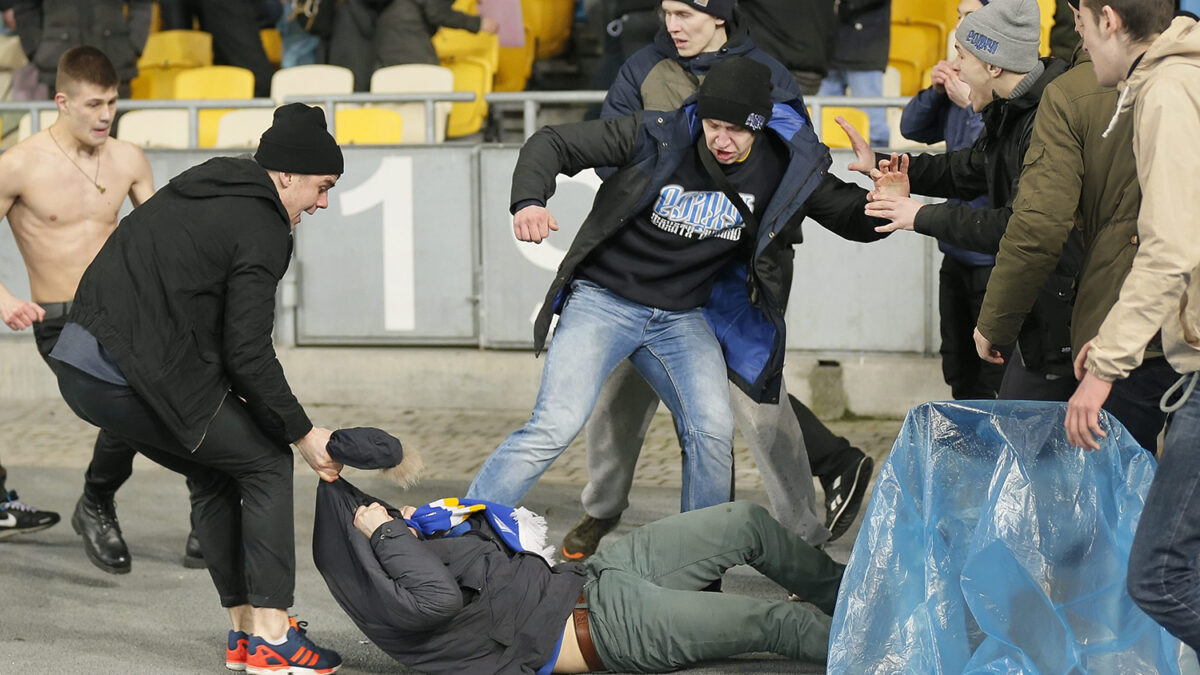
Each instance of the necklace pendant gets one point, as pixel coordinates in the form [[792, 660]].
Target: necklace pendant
[[101, 188]]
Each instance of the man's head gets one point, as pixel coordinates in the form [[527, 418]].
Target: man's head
[[734, 103], [86, 94], [1116, 32], [997, 45], [303, 159], [697, 26]]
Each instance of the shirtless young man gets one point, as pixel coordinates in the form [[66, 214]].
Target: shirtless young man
[[61, 190]]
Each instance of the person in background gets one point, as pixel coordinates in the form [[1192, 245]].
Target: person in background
[[861, 56], [943, 113]]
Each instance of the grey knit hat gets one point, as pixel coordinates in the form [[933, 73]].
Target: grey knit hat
[[1003, 33]]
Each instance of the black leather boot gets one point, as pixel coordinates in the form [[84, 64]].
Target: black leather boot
[[96, 522], [193, 557]]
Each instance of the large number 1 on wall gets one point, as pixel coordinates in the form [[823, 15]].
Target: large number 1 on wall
[[392, 186]]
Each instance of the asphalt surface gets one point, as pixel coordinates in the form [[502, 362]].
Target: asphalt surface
[[60, 614]]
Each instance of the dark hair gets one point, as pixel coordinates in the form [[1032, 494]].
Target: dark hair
[[1143, 19], [85, 64]]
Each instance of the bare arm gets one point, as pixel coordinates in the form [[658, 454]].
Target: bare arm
[[143, 179], [17, 314]]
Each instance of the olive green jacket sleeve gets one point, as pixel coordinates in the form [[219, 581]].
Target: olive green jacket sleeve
[[1043, 216]]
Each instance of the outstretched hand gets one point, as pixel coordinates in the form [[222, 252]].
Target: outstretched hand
[[891, 178], [533, 223], [901, 211], [864, 160]]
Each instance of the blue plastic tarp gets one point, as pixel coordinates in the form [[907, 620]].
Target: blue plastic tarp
[[992, 546]]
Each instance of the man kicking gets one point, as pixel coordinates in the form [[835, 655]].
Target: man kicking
[[688, 241]]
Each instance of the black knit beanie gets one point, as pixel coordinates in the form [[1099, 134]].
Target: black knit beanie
[[298, 142], [736, 90], [722, 9]]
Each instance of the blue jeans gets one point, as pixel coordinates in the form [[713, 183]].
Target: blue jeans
[[1164, 562], [299, 46], [678, 355], [862, 83]]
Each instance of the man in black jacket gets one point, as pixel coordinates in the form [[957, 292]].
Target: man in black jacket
[[669, 270], [470, 605], [998, 57], [168, 346]]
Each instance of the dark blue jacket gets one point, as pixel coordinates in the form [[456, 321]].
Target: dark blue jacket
[[749, 298], [657, 78], [931, 117]]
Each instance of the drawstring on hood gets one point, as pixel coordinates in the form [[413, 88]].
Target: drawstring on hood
[[1181, 40]]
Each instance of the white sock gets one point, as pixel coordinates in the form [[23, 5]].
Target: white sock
[[276, 642]]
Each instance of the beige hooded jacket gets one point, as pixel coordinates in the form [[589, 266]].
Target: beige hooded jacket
[[1162, 291]]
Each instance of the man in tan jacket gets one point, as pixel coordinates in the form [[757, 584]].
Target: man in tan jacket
[[1159, 61]]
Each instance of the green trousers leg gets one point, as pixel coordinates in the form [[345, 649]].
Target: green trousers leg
[[647, 611]]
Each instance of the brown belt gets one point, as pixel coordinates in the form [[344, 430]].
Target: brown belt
[[584, 635]]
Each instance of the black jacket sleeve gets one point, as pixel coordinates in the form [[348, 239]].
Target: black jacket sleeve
[[425, 595], [260, 258], [569, 149], [965, 227], [441, 13], [839, 207]]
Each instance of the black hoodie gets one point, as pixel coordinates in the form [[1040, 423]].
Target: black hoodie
[[182, 296]]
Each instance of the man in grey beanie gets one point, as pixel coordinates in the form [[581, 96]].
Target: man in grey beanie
[[997, 49], [168, 347]]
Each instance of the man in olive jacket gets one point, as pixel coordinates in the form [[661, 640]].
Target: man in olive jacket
[[1080, 180]]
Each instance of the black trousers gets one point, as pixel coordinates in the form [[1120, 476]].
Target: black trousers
[[1134, 401], [822, 445], [112, 459], [240, 482], [235, 38], [961, 288]]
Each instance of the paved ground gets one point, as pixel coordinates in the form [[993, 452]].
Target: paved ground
[[60, 614]]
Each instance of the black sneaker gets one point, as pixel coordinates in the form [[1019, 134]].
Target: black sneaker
[[581, 542], [844, 491], [17, 517]]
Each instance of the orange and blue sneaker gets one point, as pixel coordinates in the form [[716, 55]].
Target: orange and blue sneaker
[[235, 650], [296, 656]]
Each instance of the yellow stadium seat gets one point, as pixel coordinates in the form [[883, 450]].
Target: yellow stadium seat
[[155, 17], [416, 78], [312, 79], [155, 83], [369, 126], [920, 43], [1048, 8], [154, 128], [473, 75], [550, 21], [452, 43], [910, 75], [942, 13], [209, 83], [832, 134], [177, 49], [272, 43], [516, 65]]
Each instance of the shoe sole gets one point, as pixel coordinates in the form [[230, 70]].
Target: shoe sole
[[197, 563], [845, 516], [236, 666], [290, 670], [95, 559], [4, 534], [573, 556]]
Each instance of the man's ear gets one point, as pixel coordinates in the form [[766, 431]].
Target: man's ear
[[1110, 22], [994, 71]]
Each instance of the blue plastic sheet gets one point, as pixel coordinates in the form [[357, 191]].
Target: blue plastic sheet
[[992, 546]]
